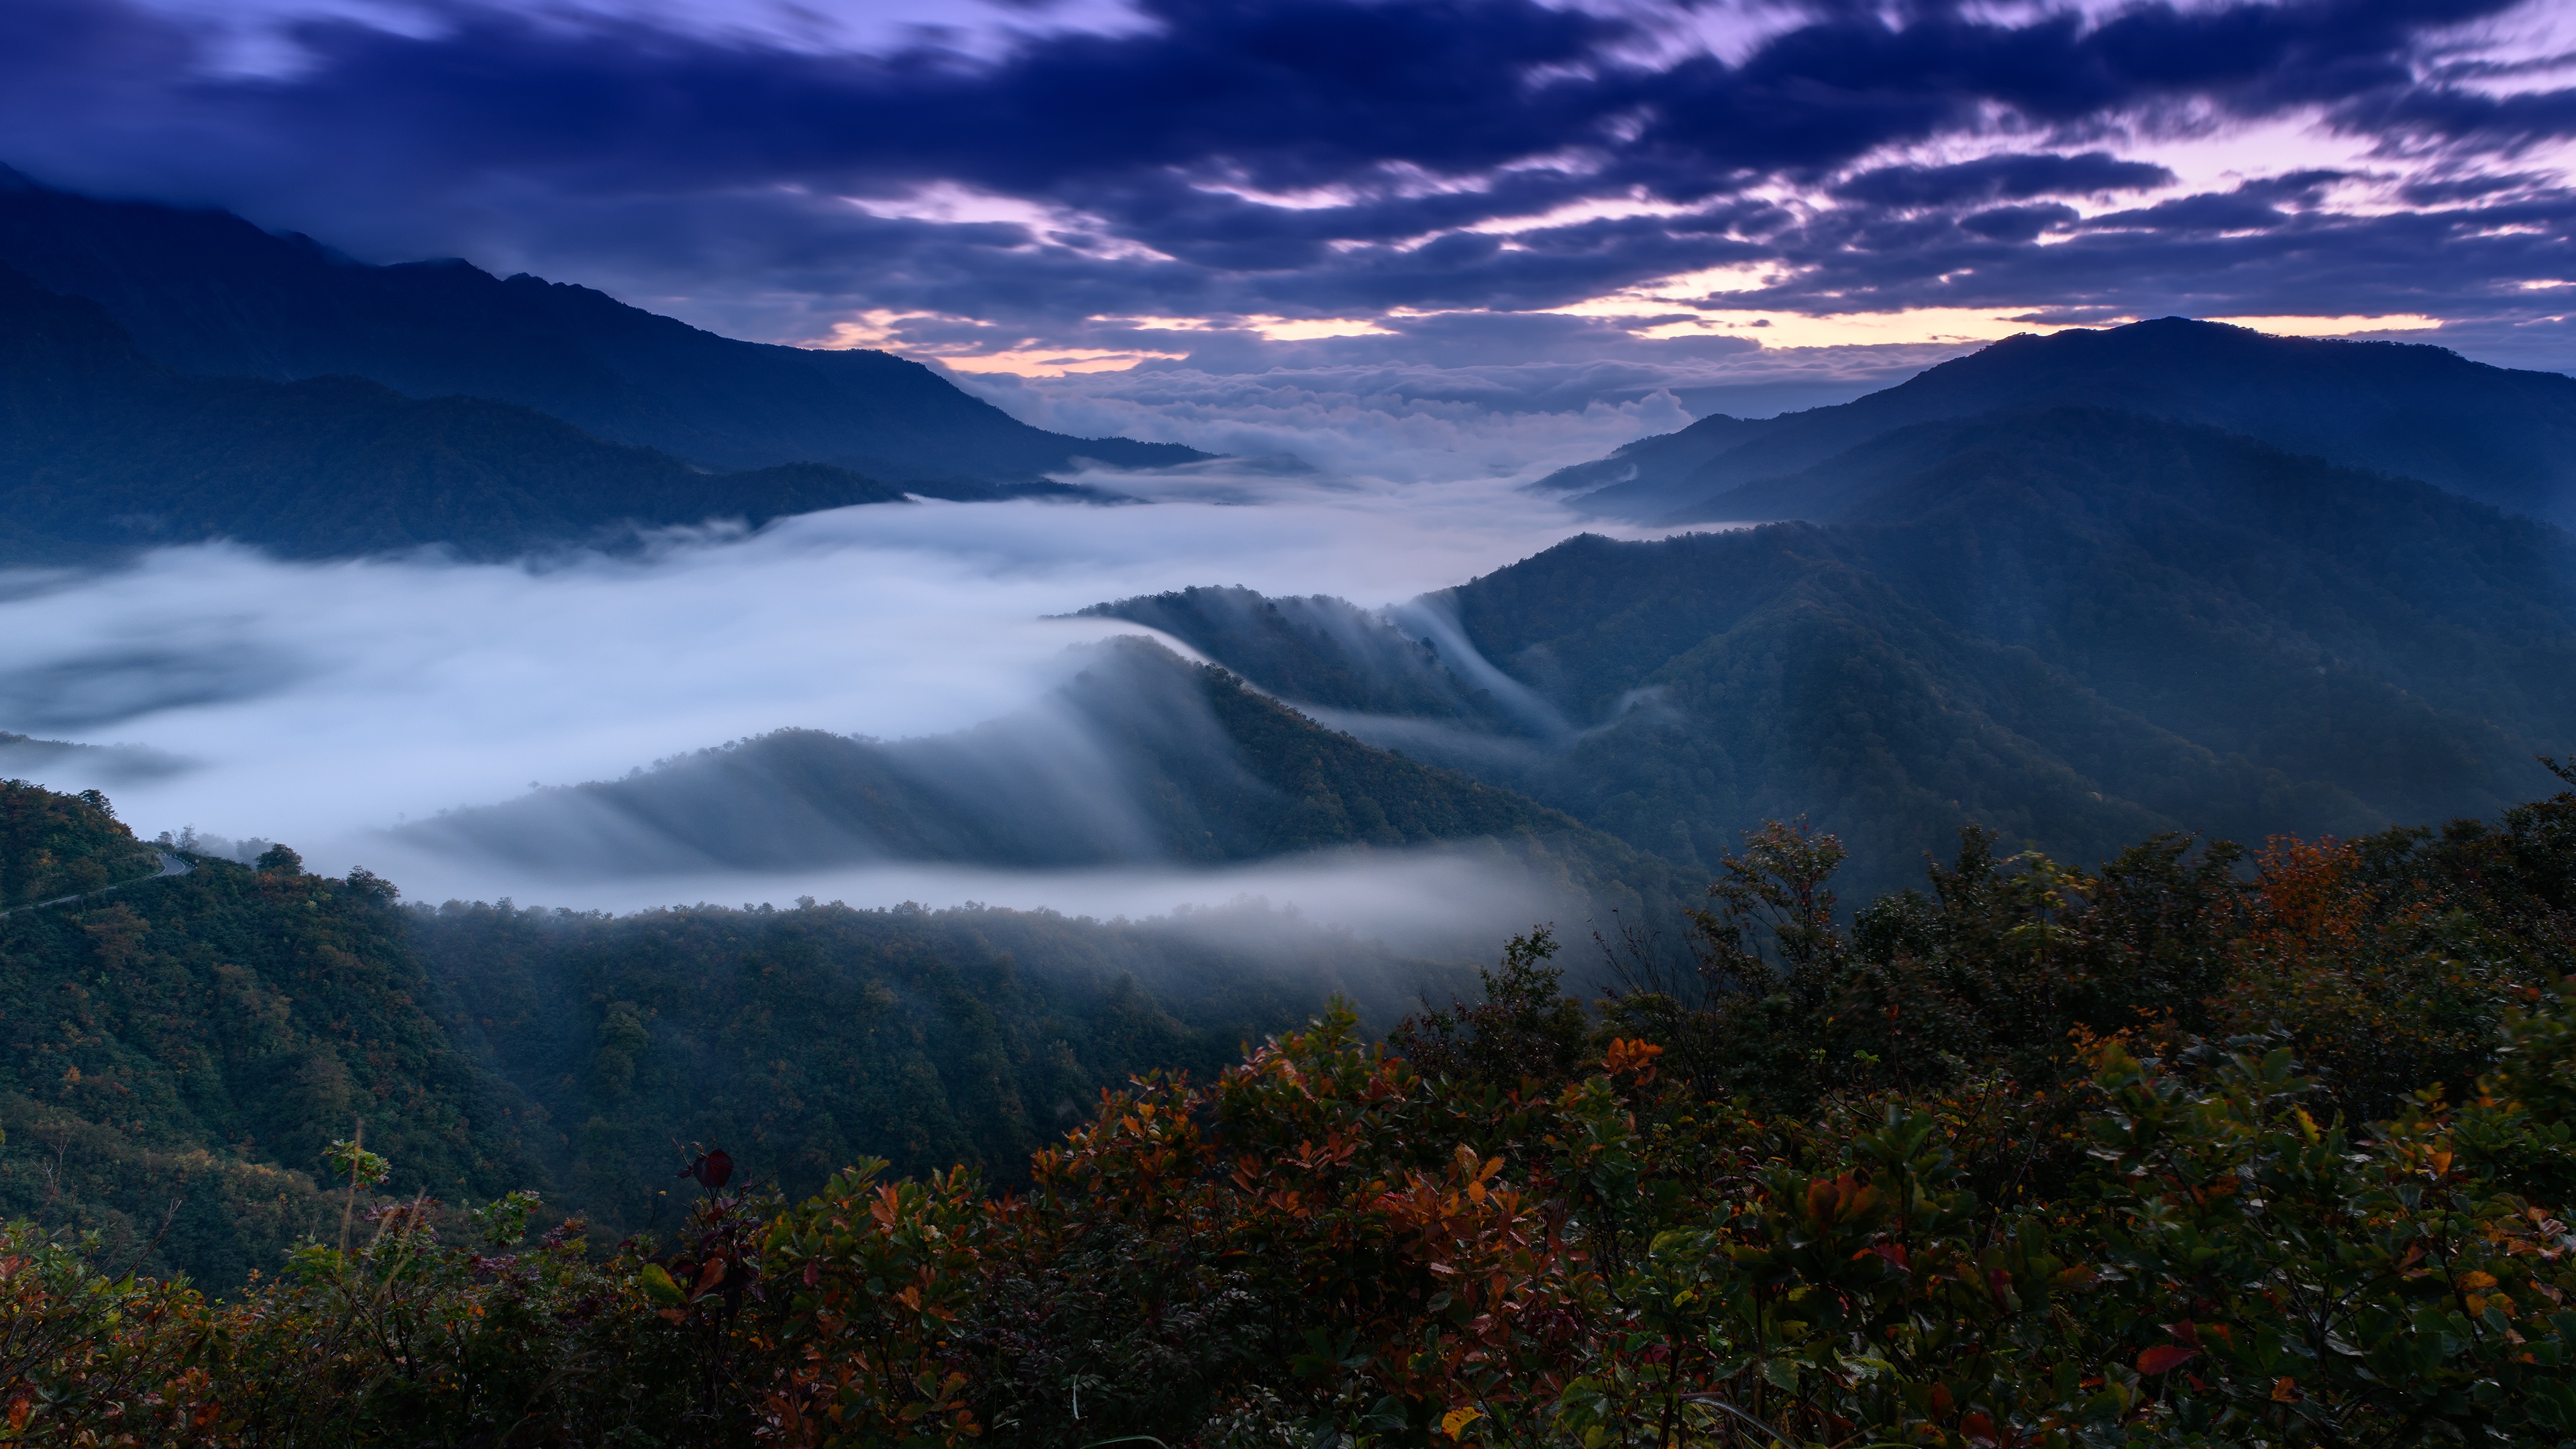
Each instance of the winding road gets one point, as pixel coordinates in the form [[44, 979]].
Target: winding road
[[170, 865]]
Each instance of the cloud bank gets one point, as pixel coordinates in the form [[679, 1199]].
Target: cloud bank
[[322, 704]]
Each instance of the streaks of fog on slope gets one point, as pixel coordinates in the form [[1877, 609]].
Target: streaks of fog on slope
[[325, 701]]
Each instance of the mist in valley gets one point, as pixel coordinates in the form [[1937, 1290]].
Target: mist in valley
[[448, 724]]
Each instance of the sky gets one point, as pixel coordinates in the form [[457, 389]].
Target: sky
[[1396, 258], [1700, 194]]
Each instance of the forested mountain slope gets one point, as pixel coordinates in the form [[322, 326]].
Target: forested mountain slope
[[803, 1040], [2184, 1123], [56, 845], [175, 1056], [2499, 435], [205, 292], [184, 1048], [2075, 627], [102, 448]]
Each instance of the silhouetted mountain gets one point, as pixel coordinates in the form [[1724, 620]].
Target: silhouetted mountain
[[2495, 434], [101, 448], [2075, 627], [206, 292]]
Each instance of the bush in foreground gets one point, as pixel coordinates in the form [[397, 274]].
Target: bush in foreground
[[2159, 1155]]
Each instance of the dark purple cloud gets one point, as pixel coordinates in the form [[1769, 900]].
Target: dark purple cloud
[[1324, 158], [2011, 177]]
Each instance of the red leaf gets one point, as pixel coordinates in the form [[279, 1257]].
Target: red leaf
[[2166, 1359]]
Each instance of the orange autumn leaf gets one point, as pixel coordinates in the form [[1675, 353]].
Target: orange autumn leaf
[[2165, 1359]]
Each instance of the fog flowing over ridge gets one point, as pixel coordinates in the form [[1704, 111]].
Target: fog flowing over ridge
[[322, 704]]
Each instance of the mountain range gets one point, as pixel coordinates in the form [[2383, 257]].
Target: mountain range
[[2073, 590], [168, 375], [206, 292], [2074, 626], [102, 448], [2495, 434]]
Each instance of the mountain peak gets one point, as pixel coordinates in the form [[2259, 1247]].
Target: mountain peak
[[2495, 434], [203, 291]]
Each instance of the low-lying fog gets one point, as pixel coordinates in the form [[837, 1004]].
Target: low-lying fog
[[320, 704], [327, 705]]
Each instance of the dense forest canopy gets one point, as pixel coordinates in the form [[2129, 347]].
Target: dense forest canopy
[[176, 1055], [55, 845], [2167, 1151]]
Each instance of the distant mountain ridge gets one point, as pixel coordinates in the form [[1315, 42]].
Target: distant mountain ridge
[[205, 292], [2498, 435], [2074, 626], [104, 449]]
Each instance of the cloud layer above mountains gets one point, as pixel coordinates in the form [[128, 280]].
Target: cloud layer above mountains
[[1233, 182]]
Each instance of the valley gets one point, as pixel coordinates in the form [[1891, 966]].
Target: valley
[[1842, 917]]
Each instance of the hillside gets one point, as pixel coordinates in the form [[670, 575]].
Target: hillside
[[2498, 435], [2074, 627], [804, 1040], [175, 1056], [186, 1047], [1141, 759], [206, 293], [102, 448], [2186, 1121], [55, 845]]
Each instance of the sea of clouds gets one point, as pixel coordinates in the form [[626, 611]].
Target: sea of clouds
[[325, 703]]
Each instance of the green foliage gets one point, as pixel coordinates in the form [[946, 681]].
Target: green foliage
[[2097, 1219], [356, 1164], [59, 845], [185, 1059], [177, 1057], [810, 1038], [1524, 1030], [90, 1356]]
